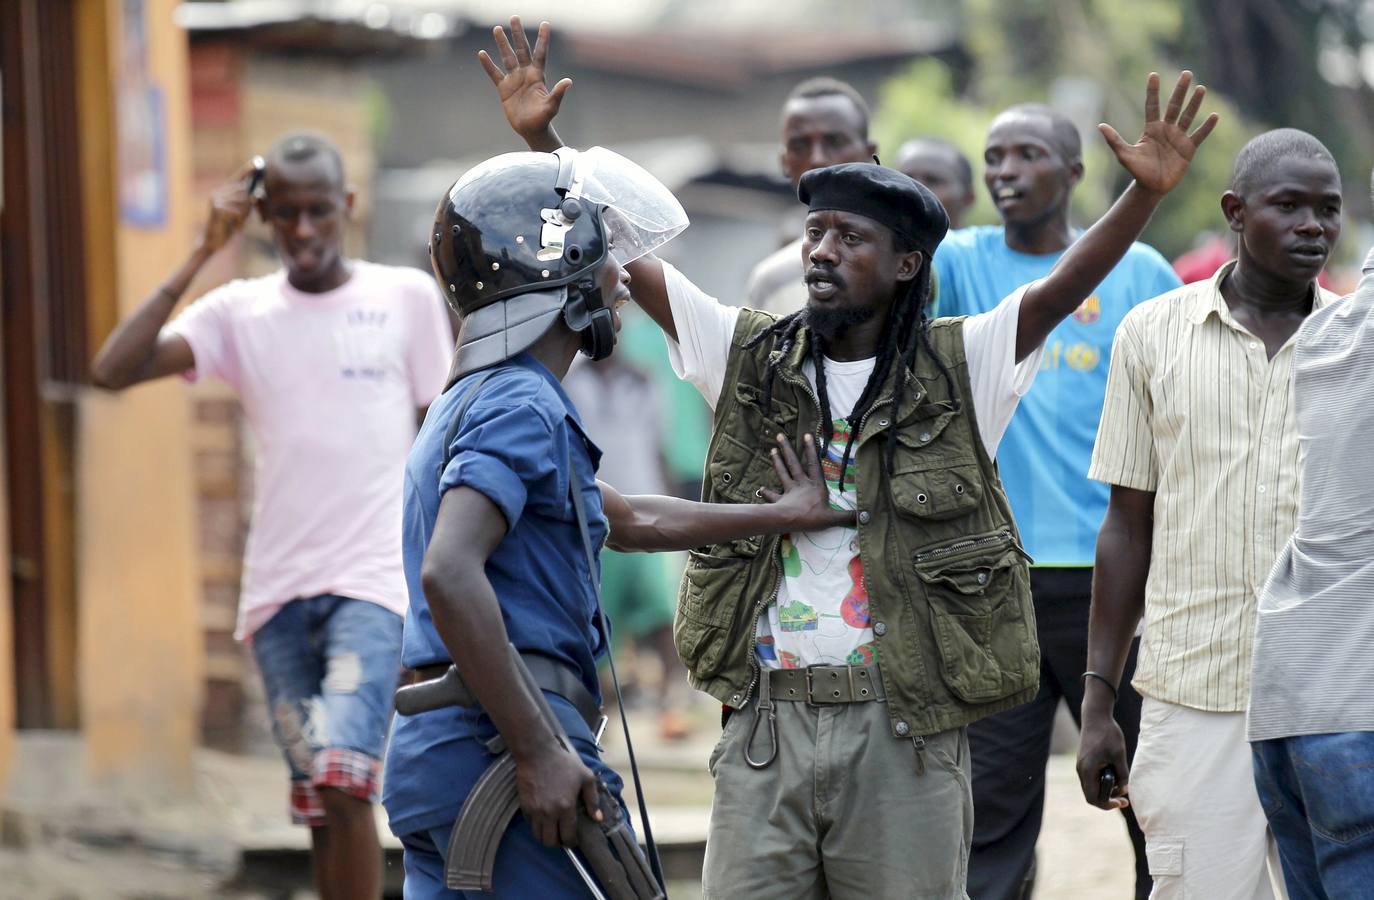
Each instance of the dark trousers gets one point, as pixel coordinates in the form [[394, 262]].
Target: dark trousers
[[1010, 750]]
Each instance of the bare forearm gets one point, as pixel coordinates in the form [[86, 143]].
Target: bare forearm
[[1118, 601], [1082, 267], [467, 617], [657, 523], [545, 140], [129, 349]]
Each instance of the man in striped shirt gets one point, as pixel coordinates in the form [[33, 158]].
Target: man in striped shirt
[[1199, 445], [1312, 685]]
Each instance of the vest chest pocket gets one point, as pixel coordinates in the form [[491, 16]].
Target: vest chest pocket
[[738, 471], [939, 491], [977, 590], [935, 471]]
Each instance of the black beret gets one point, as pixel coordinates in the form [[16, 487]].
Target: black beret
[[884, 195]]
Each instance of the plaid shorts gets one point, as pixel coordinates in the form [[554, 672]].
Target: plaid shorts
[[330, 667], [349, 771]]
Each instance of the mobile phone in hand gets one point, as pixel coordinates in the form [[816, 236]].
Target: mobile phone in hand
[[1106, 784], [252, 183]]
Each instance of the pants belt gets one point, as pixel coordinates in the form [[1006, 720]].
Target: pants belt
[[442, 687], [819, 685]]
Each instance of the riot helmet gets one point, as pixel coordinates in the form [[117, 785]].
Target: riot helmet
[[520, 239]]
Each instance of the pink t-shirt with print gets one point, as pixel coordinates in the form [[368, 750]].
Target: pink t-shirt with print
[[330, 384]]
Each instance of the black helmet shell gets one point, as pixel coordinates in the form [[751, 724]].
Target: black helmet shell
[[489, 232]]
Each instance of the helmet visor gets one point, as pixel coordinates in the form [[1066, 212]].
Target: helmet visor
[[640, 214]]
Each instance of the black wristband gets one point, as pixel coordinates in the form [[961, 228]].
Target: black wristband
[[1102, 678]]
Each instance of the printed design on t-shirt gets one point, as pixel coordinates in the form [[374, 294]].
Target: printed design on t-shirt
[[1079, 356], [791, 559], [854, 609], [1089, 312], [830, 465], [797, 616], [863, 654], [367, 346], [821, 615]]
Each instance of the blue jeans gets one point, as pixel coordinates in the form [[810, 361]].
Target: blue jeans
[[1318, 794], [329, 667]]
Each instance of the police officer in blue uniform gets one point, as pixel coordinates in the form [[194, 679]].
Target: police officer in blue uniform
[[530, 250]]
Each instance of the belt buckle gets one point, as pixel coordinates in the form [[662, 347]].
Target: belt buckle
[[810, 685]]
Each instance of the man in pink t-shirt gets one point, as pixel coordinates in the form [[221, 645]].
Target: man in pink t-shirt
[[331, 358]]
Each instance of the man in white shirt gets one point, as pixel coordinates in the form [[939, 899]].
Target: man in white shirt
[[820, 790]]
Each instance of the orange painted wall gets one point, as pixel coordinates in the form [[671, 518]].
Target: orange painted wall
[[140, 649]]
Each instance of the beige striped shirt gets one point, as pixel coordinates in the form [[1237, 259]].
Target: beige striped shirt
[[1197, 413]]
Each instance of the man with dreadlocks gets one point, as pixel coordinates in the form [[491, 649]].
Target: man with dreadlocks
[[850, 660]]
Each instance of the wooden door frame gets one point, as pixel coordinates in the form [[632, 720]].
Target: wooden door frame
[[39, 416]]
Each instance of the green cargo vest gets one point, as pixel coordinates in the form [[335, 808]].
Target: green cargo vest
[[948, 581]]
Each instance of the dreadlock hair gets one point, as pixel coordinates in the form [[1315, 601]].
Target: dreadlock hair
[[907, 333]]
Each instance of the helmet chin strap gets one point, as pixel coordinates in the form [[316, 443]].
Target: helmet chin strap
[[586, 312]]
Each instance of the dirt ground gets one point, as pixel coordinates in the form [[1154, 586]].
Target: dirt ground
[[192, 853]]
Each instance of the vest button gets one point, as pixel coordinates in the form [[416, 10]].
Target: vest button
[[903, 729], [864, 517], [982, 577], [880, 628], [925, 436]]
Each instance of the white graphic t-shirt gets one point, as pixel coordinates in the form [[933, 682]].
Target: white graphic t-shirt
[[820, 616]]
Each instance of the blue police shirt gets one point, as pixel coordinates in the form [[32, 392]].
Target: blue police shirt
[[1045, 454], [513, 445]]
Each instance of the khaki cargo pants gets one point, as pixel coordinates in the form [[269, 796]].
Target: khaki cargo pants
[[845, 810]]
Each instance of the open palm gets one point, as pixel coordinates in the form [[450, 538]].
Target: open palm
[[1160, 159], [529, 104]]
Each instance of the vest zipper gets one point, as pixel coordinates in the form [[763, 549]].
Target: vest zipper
[[815, 402], [1001, 537], [756, 669]]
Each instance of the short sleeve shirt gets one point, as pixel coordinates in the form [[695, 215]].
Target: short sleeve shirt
[[1198, 413], [329, 383], [776, 284], [520, 444], [1045, 454]]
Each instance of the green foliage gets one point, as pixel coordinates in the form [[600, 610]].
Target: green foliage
[[1099, 51]]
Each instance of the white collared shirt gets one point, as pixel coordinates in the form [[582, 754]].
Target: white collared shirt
[[1197, 413]]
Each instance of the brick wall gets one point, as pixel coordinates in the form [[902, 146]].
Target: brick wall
[[240, 103]]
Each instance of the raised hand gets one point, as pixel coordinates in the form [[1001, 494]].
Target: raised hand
[[1159, 160], [229, 208], [529, 104]]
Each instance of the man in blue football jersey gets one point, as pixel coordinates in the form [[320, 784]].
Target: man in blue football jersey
[[1032, 164]]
